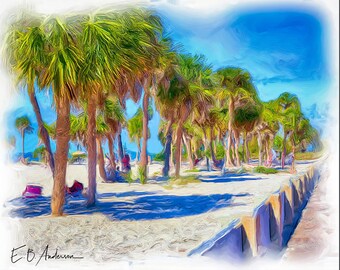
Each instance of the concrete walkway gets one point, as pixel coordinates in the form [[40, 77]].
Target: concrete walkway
[[312, 239]]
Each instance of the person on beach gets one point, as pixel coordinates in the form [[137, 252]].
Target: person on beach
[[126, 163]]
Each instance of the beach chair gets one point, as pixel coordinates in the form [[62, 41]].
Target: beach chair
[[32, 191]]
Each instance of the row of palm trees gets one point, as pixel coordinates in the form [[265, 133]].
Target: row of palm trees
[[94, 63]]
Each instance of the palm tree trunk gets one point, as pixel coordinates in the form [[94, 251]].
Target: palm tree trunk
[[178, 152], [226, 149], [267, 151], [92, 150], [23, 143], [120, 148], [247, 148], [283, 155], [212, 150], [230, 129], [138, 151], [187, 144], [112, 154], [101, 161], [61, 155], [172, 162], [244, 147], [167, 153], [293, 159], [42, 130], [233, 152], [259, 141], [237, 142], [206, 147], [144, 157]]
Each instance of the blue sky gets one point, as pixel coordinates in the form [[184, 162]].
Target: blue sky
[[283, 48]]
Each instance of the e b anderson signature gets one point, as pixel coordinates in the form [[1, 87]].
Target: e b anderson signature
[[32, 256]]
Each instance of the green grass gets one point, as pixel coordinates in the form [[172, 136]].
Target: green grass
[[308, 155], [192, 170], [181, 181], [261, 169]]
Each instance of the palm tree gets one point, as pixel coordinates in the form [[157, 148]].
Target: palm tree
[[97, 43], [25, 53], [23, 124], [78, 132], [303, 132], [40, 153], [186, 90], [247, 116], [158, 61], [207, 127], [135, 129], [235, 84], [288, 109], [119, 46], [60, 71], [102, 130], [267, 128], [115, 118], [189, 131]]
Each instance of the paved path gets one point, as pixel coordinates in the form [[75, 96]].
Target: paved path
[[314, 237]]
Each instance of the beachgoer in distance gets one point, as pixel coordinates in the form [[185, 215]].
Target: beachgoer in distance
[[126, 163]]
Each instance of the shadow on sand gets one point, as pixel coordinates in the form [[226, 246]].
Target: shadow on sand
[[231, 177], [143, 206]]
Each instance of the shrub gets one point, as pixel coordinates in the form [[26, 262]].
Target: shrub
[[261, 169], [128, 177], [159, 156], [192, 170], [184, 180], [308, 155], [141, 175], [219, 151]]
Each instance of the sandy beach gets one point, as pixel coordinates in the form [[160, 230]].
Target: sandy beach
[[134, 221]]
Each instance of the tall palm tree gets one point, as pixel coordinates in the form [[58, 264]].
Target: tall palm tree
[[60, 71], [78, 132], [168, 84], [102, 130], [289, 110], [247, 116], [153, 74], [114, 117], [186, 90], [23, 124], [268, 127], [119, 46], [303, 132], [96, 41], [25, 53], [235, 84]]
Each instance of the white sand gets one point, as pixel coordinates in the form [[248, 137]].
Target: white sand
[[98, 238]]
